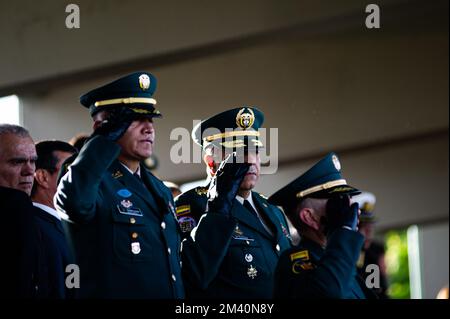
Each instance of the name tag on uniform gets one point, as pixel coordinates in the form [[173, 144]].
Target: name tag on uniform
[[126, 207], [238, 237]]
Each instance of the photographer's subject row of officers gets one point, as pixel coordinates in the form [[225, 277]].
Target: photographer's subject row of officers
[[131, 239]]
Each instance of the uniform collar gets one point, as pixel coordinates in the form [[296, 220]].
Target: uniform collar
[[249, 199], [138, 171]]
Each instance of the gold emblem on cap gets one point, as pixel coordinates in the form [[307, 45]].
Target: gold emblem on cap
[[336, 162], [144, 81], [245, 120]]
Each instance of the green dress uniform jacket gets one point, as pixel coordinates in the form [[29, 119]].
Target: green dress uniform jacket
[[234, 257], [126, 236], [310, 271]]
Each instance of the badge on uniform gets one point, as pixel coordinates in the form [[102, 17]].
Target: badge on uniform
[[183, 210], [126, 208], [239, 234], [248, 258], [125, 193], [117, 174], [300, 261], [135, 247], [186, 224], [252, 272]]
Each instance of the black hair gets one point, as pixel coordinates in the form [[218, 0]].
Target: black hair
[[45, 152]]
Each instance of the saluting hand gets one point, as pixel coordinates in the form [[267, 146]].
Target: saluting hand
[[115, 126], [339, 213], [225, 184]]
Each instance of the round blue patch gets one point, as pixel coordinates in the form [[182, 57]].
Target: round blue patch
[[124, 193]]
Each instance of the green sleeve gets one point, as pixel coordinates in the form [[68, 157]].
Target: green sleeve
[[78, 191]]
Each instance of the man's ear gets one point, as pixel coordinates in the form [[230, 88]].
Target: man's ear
[[310, 218], [41, 177]]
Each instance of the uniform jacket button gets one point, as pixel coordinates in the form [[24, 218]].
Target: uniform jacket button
[[163, 225]]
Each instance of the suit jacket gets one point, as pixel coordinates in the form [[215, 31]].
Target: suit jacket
[[310, 271], [126, 235], [20, 240], [57, 254], [234, 257]]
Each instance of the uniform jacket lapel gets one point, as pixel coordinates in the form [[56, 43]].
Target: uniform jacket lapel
[[271, 216], [243, 215], [123, 176], [160, 197]]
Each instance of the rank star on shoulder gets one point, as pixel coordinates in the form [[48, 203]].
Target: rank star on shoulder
[[188, 309]]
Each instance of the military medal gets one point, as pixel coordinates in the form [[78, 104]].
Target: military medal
[[248, 258], [252, 272], [135, 248]]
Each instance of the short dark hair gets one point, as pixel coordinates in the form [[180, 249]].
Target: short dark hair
[[45, 152], [46, 156]]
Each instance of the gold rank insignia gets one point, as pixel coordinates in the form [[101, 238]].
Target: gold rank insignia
[[238, 231], [245, 120], [117, 174]]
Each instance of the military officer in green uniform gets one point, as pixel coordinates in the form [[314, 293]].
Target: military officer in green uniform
[[126, 235], [324, 264], [233, 250]]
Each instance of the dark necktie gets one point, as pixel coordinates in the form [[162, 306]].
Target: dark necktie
[[138, 178], [256, 214], [250, 208]]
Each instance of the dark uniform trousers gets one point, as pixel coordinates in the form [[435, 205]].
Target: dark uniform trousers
[[126, 235], [310, 271], [234, 257]]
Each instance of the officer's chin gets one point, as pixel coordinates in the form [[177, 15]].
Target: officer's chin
[[249, 181]]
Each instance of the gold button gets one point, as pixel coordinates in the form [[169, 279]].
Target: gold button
[[132, 220], [163, 225], [134, 235]]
